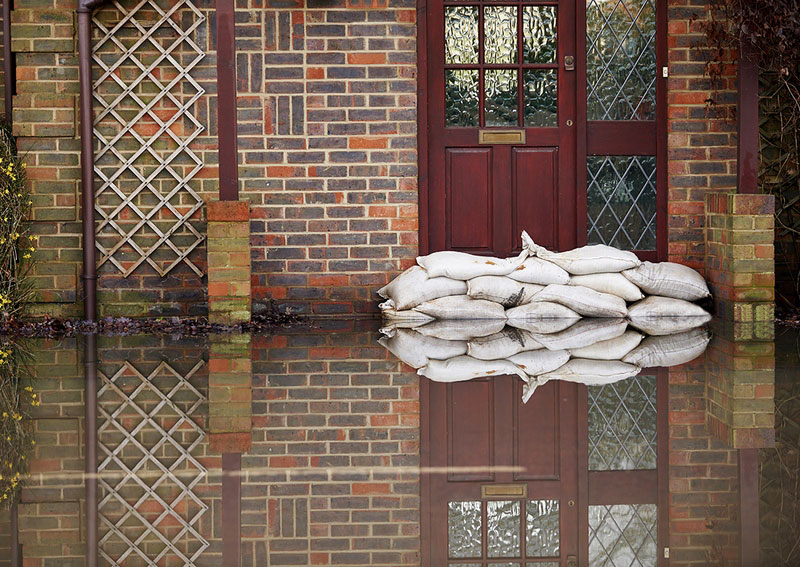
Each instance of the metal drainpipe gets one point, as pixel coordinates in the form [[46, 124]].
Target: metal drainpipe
[[89, 275], [8, 68]]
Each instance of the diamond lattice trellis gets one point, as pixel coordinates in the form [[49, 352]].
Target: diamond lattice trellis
[[145, 123], [147, 473]]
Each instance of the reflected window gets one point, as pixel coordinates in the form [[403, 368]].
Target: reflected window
[[623, 425], [623, 535]]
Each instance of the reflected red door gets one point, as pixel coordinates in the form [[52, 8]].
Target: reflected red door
[[504, 484], [501, 125]]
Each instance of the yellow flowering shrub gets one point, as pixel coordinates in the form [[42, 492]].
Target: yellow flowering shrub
[[17, 400], [17, 245]]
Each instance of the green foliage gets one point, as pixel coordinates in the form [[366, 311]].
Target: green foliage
[[16, 244], [17, 398]]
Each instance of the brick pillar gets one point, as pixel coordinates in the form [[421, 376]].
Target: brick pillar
[[229, 393], [228, 261], [740, 391], [740, 255]]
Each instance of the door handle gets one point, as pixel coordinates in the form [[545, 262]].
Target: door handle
[[572, 561], [569, 63]]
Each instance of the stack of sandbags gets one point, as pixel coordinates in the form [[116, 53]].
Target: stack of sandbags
[[588, 351], [540, 285]]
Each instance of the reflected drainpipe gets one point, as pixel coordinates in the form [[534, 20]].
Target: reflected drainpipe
[[89, 275], [16, 556], [90, 447]]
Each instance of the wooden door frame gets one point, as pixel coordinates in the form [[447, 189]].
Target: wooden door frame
[[581, 149]]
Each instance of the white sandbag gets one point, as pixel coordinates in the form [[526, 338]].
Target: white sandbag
[[393, 316], [593, 372], [540, 272], [669, 279], [463, 368], [594, 259], [462, 307], [502, 290], [585, 301], [541, 310], [544, 326], [614, 284], [504, 344], [536, 362], [669, 350], [655, 306], [461, 330], [463, 266], [611, 349], [660, 326], [583, 333], [415, 349], [413, 287]]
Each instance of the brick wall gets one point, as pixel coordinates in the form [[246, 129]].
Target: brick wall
[[702, 140], [328, 143]]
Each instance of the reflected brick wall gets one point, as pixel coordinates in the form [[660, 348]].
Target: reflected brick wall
[[327, 408]]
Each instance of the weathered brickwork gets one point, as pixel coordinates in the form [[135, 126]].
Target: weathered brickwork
[[327, 108], [702, 143], [740, 255], [229, 271]]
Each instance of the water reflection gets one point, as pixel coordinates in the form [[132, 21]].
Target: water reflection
[[321, 446]]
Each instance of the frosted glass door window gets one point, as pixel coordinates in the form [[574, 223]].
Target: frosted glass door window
[[500, 65], [522, 533]]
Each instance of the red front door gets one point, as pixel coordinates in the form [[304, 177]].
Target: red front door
[[501, 124]]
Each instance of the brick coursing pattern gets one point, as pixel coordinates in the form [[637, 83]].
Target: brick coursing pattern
[[327, 135], [701, 143]]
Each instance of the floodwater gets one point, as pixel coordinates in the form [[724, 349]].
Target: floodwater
[[318, 446]]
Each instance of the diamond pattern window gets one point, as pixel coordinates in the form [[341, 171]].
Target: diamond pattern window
[[623, 425], [621, 201], [621, 59]]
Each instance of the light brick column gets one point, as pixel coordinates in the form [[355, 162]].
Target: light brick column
[[740, 255], [740, 391], [230, 393], [228, 261]]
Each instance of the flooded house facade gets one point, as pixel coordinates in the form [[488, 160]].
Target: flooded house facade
[[342, 138]]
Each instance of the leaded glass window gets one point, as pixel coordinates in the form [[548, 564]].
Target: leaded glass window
[[623, 535], [621, 201], [623, 425], [621, 59]]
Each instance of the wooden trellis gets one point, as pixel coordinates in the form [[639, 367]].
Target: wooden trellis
[[148, 508], [145, 124]]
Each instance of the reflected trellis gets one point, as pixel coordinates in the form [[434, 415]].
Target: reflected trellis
[[147, 473]]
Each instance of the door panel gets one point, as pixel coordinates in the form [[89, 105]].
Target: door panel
[[469, 177], [470, 439], [535, 194]]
